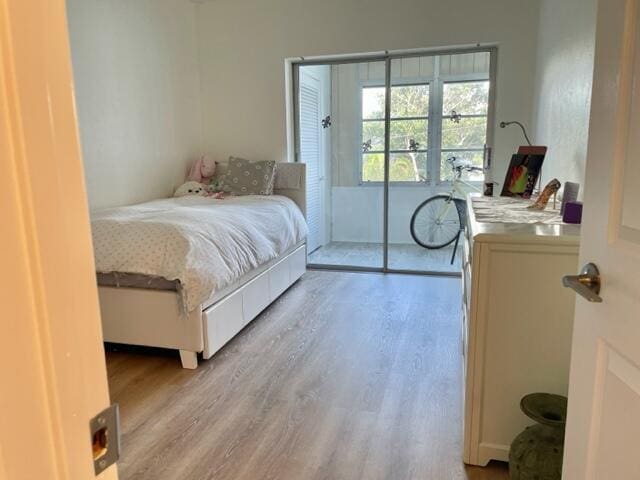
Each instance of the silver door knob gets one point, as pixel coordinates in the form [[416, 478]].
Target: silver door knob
[[586, 284]]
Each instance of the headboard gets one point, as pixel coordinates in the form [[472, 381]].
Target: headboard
[[291, 181]]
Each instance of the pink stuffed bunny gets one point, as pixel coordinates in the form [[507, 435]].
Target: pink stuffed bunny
[[202, 170]]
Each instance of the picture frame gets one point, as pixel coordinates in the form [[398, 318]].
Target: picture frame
[[523, 172]]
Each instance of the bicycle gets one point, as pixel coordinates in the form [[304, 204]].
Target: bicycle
[[436, 223]]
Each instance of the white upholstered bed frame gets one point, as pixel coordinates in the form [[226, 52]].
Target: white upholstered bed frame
[[156, 318]]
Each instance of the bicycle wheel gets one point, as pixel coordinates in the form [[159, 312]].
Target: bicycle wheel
[[436, 222]]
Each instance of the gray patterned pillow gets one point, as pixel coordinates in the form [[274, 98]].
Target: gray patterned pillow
[[244, 177]]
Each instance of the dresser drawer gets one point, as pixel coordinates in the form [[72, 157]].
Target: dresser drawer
[[466, 311], [467, 251], [466, 284], [465, 330]]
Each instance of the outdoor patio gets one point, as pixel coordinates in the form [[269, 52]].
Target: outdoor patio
[[401, 256]]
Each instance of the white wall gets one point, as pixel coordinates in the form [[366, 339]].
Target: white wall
[[357, 212], [243, 44], [563, 79], [138, 95]]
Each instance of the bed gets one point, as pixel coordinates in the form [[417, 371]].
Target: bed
[[190, 273]]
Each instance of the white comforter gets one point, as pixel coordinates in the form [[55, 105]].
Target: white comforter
[[204, 243]]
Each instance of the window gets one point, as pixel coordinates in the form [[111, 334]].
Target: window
[[408, 133], [458, 129], [465, 106]]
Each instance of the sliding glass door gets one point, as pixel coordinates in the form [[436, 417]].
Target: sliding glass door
[[345, 200], [438, 121], [381, 138]]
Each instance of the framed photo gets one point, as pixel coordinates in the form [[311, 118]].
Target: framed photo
[[523, 172]]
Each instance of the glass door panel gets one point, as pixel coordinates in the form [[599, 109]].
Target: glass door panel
[[438, 115], [436, 122], [341, 138]]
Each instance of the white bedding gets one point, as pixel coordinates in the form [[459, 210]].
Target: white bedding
[[204, 243]]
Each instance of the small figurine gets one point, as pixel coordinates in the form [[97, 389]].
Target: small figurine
[[551, 189]]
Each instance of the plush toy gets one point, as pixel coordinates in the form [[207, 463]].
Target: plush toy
[[202, 170], [191, 188]]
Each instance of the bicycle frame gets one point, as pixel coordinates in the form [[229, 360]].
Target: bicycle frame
[[454, 194]]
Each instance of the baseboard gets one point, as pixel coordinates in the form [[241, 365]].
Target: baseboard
[[492, 451]]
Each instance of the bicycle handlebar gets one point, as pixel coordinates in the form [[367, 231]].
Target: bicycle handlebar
[[469, 167]]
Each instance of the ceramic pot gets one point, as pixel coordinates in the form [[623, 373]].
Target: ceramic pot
[[536, 454]]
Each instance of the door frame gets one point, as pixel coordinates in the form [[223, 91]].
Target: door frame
[[51, 351], [324, 106], [292, 83]]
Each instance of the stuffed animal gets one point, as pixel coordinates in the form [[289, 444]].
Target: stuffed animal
[[202, 170], [191, 188]]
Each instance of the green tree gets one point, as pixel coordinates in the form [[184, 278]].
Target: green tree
[[408, 136]]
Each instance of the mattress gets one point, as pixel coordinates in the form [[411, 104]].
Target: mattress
[[148, 282], [136, 280], [194, 245]]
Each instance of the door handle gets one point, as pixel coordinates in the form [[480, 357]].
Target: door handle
[[586, 284]]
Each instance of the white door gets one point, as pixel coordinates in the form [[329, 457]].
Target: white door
[[312, 151], [52, 362], [603, 429]]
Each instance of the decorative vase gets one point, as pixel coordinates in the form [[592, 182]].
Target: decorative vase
[[536, 454]]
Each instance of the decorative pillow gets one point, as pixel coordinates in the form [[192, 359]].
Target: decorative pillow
[[216, 184], [244, 177]]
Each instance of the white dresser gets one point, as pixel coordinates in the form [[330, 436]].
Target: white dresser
[[517, 325]]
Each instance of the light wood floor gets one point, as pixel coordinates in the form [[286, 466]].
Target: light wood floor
[[347, 376]]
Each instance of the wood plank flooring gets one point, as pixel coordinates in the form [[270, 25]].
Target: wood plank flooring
[[347, 376]]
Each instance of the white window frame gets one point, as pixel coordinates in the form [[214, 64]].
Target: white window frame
[[360, 154], [469, 78], [434, 129]]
